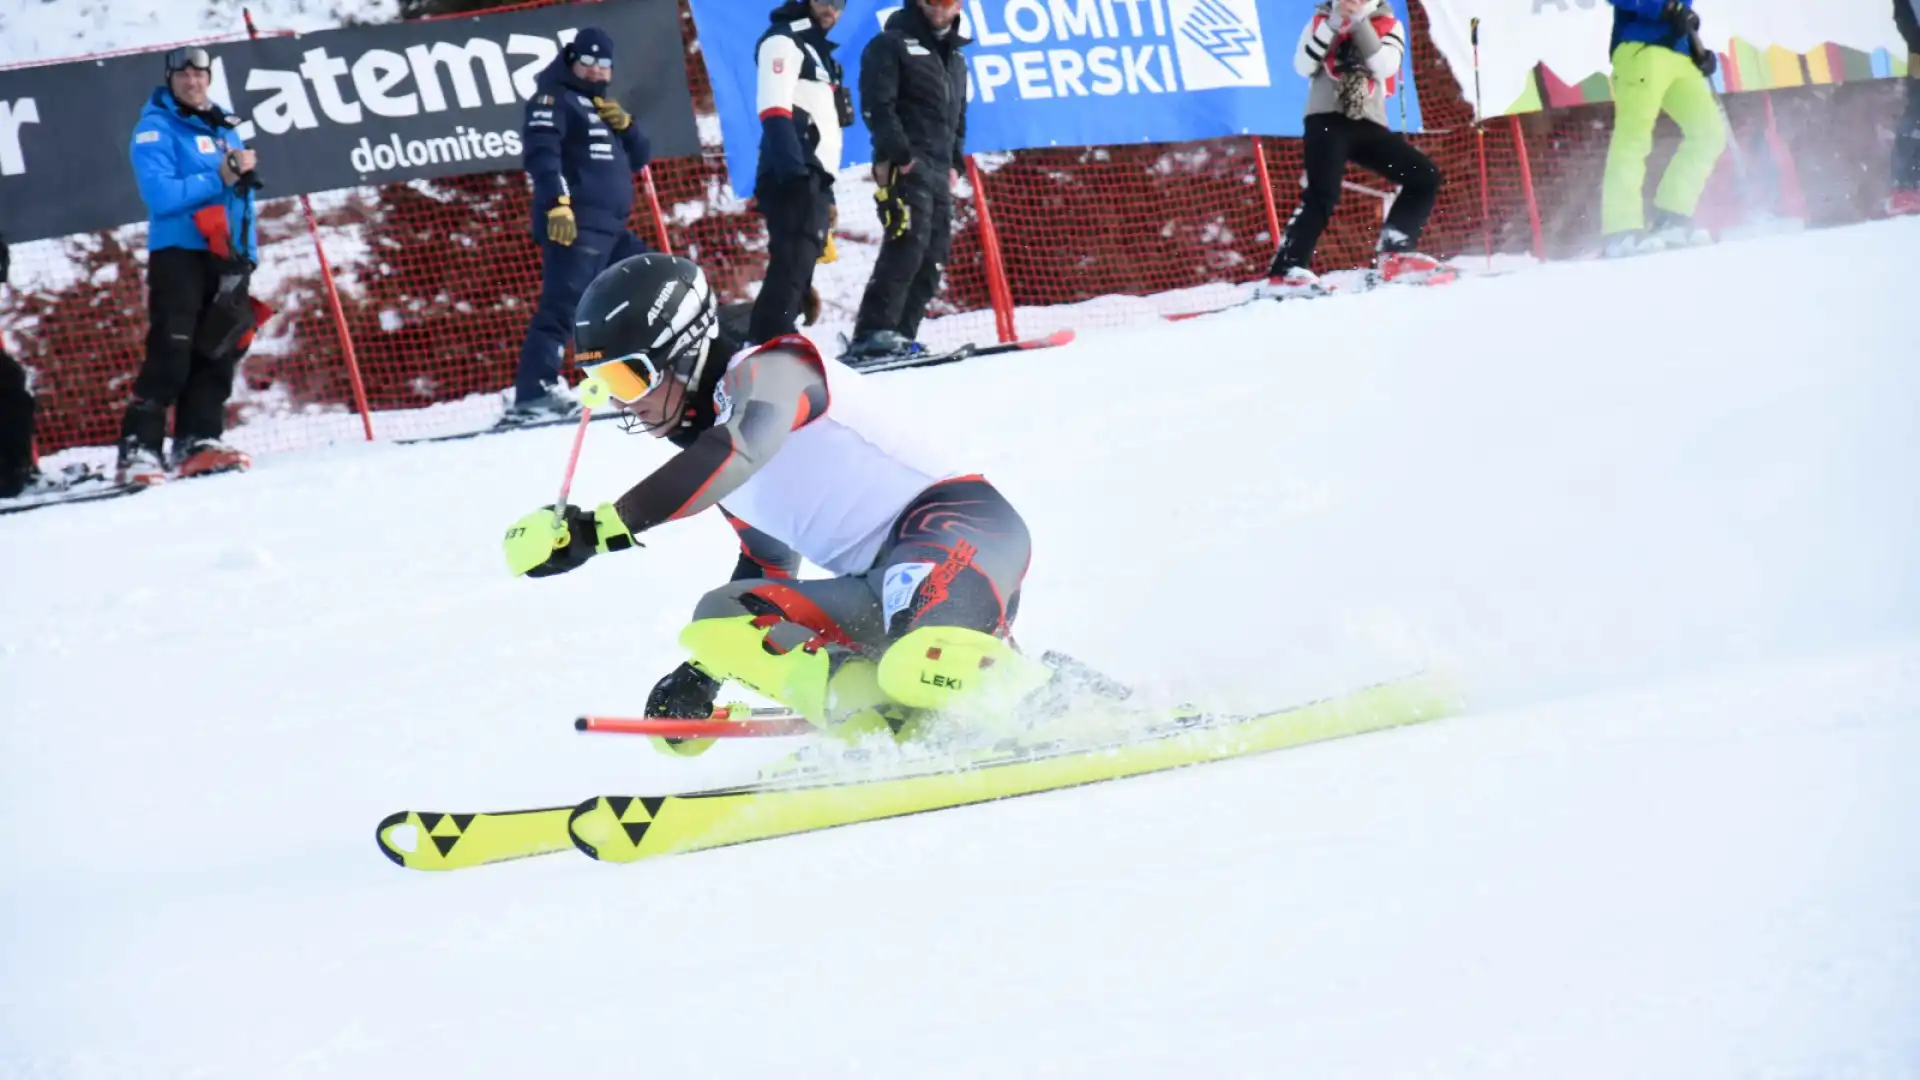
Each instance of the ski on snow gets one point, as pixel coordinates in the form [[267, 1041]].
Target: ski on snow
[[963, 352], [629, 827]]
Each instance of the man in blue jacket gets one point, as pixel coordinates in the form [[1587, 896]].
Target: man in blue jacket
[[1906, 141], [582, 151], [1659, 65], [196, 177]]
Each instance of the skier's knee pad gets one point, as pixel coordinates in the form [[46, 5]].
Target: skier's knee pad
[[948, 667]]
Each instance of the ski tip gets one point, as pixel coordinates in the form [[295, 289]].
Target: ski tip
[[1054, 340]]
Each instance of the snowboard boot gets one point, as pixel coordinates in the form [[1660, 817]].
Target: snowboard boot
[[686, 693], [203, 457], [834, 687]]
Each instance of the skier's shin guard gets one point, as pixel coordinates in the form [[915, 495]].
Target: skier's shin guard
[[953, 669]]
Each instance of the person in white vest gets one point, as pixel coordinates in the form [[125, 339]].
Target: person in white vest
[[808, 458], [803, 105]]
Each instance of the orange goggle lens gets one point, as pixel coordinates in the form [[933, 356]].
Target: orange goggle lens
[[622, 382]]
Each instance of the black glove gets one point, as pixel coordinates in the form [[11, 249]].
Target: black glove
[[1682, 18], [1704, 58], [6, 260], [896, 217]]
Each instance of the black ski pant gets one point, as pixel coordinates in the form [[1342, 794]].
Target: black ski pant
[[797, 214], [179, 373], [16, 421], [1906, 142], [907, 273], [1333, 140]]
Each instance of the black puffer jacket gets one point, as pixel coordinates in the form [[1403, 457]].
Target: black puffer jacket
[[913, 92]]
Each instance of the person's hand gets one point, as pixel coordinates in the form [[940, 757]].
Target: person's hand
[[953, 179], [562, 229], [248, 159], [539, 546], [896, 217], [884, 172], [616, 117], [1682, 18]]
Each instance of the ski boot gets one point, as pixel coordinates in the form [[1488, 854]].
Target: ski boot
[[139, 466], [835, 688], [203, 457], [878, 345], [1904, 202], [1413, 268], [1297, 282], [1625, 245], [1678, 230], [686, 693], [555, 402]]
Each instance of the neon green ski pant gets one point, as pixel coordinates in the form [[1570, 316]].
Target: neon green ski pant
[[1648, 79]]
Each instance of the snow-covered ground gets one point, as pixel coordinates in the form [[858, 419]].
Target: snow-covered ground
[[36, 31], [1661, 514]]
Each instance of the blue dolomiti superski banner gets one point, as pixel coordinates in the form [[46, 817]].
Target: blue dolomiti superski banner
[[1063, 72]]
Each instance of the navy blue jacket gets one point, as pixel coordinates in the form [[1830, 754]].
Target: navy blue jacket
[[570, 151], [1639, 20], [176, 163]]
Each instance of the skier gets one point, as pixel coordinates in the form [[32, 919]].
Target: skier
[[928, 558], [583, 151], [1350, 52], [1906, 143], [1659, 65]]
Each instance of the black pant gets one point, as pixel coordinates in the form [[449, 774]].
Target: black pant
[[16, 421], [1333, 140], [907, 273], [1906, 143], [181, 289], [797, 216]]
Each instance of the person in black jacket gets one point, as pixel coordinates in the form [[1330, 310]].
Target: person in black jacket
[[913, 94], [18, 474], [802, 107], [1906, 142], [582, 152]]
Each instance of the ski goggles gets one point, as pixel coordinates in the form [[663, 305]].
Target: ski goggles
[[188, 56], [596, 61], [620, 379]]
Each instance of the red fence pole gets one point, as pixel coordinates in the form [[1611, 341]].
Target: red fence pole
[[653, 203], [1526, 186], [333, 294], [1266, 189], [997, 286]]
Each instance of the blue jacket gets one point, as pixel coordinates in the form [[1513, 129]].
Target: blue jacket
[[570, 151], [176, 162], [1639, 20]]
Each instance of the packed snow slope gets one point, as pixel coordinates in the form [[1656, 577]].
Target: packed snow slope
[[1662, 515]]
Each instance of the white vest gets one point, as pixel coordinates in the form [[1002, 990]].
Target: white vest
[[838, 484]]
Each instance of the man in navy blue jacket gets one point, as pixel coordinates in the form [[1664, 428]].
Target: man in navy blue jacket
[[1906, 141], [196, 177], [582, 151]]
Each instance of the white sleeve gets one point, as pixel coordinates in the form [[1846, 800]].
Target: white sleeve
[[780, 63], [1315, 40], [1393, 45]]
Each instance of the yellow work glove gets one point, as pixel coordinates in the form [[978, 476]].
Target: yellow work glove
[[830, 253], [610, 111], [561, 228]]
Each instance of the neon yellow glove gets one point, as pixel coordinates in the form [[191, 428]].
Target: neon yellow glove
[[538, 546], [830, 253], [561, 228]]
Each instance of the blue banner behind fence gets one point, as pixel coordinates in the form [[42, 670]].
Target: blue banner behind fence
[[1063, 72]]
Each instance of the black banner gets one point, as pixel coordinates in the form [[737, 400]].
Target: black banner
[[335, 109]]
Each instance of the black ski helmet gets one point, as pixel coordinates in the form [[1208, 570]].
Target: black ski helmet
[[653, 312]]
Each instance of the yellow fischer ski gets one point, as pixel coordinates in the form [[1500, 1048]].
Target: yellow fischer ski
[[628, 828]]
